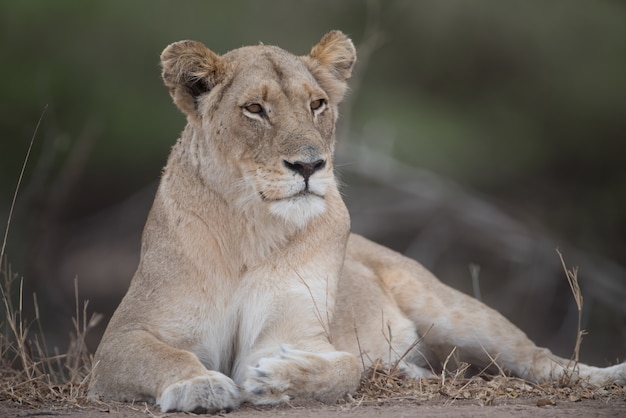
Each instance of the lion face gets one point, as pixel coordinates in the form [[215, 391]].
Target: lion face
[[264, 119], [284, 131]]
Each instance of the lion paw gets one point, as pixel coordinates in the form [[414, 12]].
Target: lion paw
[[324, 376], [207, 394], [268, 382]]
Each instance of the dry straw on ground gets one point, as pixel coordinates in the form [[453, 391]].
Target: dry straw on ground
[[380, 386]]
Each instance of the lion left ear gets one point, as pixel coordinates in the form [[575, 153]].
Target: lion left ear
[[331, 62]]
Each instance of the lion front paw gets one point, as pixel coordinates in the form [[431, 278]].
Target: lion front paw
[[324, 376], [268, 383], [207, 394]]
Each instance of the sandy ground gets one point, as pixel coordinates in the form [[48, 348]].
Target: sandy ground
[[519, 407]]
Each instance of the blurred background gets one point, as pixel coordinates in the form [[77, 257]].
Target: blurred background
[[478, 137]]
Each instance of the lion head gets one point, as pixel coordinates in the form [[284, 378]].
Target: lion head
[[265, 120]]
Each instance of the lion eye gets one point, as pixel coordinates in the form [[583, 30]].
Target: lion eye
[[254, 108], [318, 104]]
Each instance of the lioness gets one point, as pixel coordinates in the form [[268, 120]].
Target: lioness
[[250, 286]]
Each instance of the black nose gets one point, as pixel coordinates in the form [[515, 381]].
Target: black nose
[[306, 170]]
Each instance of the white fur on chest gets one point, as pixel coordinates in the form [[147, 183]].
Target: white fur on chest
[[233, 334]]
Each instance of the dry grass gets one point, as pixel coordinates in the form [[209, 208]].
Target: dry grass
[[380, 386], [30, 373]]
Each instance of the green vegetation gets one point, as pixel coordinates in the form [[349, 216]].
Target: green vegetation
[[522, 100]]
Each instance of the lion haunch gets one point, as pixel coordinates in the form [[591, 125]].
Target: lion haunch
[[250, 287]]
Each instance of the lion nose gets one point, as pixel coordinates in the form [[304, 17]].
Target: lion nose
[[305, 169]]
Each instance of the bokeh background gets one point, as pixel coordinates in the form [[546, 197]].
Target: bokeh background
[[477, 138]]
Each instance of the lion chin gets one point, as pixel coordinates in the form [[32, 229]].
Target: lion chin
[[300, 209]]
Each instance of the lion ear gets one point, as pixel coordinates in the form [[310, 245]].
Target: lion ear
[[190, 69], [331, 61]]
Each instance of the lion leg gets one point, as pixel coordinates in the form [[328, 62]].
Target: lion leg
[[135, 372], [448, 320], [369, 324]]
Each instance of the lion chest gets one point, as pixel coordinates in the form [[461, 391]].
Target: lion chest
[[226, 325]]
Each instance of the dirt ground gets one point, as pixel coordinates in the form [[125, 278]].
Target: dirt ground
[[522, 406], [390, 408]]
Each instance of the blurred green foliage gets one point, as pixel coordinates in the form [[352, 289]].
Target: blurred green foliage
[[522, 100]]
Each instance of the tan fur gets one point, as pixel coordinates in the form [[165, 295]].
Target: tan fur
[[250, 287]]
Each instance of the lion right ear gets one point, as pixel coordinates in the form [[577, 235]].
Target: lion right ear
[[190, 69]]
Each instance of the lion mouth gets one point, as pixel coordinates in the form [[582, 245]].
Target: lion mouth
[[302, 194]]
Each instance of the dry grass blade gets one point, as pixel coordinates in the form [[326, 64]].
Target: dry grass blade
[[412, 347], [572, 279], [324, 320], [362, 354], [492, 360], [19, 182]]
